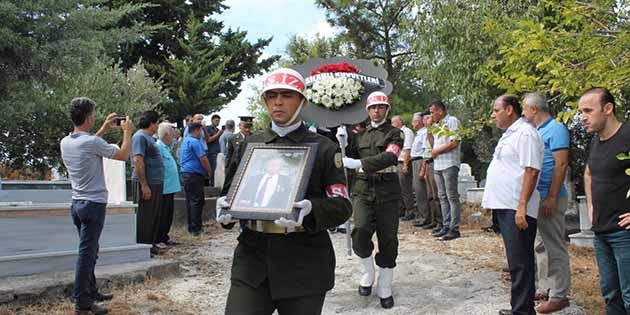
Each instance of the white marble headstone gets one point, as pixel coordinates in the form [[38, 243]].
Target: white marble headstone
[[115, 180], [219, 172], [464, 170]]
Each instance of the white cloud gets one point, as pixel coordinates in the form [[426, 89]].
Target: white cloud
[[323, 29]]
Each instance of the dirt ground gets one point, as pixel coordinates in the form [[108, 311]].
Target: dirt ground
[[432, 277]]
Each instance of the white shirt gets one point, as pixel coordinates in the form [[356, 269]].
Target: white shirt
[[272, 183], [418, 146], [408, 141], [520, 146], [450, 158]]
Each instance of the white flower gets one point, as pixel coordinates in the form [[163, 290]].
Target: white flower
[[327, 101]]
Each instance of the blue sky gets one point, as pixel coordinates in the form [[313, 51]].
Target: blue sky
[[263, 19]]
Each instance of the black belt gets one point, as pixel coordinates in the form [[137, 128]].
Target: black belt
[[417, 158]]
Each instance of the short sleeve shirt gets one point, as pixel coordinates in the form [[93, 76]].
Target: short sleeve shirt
[[450, 158], [171, 176], [407, 142], [417, 148], [201, 139], [520, 147], [213, 147], [189, 154], [144, 145], [555, 138], [82, 154]]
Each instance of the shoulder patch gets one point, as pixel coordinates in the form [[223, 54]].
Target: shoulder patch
[[338, 160]]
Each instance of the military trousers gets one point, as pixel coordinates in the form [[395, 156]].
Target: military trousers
[[382, 218], [244, 299]]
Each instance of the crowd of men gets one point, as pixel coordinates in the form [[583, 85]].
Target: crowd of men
[[398, 174]]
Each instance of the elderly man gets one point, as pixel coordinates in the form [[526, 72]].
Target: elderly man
[[148, 177], [419, 183], [511, 189], [552, 256], [172, 185], [82, 154], [405, 178], [445, 154], [194, 167], [606, 185]]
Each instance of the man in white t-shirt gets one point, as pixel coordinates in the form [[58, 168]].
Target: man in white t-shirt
[[511, 190], [406, 204]]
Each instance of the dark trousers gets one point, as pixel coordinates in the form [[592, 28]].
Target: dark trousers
[[166, 219], [212, 158], [519, 248], [193, 186], [89, 218], [406, 203], [246, 300], [148, 214], [382, 218]]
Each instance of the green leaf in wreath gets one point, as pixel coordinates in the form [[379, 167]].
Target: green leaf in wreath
[[628, 171], [623, 156]]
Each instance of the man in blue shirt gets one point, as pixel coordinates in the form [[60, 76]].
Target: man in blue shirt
[[194, 167], [552, 257], [166, 136], [147, 177]]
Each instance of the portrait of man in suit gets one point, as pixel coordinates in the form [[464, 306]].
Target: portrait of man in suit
[[268, 189]]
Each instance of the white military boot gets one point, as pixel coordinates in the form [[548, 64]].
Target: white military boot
[[367, 276], [384, 287]]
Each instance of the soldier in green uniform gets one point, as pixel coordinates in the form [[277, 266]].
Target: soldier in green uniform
[[288, 265], [235, 142], [376, 192]]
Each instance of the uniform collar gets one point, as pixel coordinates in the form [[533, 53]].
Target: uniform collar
[[379, 126], [297, 135]]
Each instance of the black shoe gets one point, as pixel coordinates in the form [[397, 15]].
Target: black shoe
[[332, 230], [440, 233], [100, 297], [341, 230], [387, 303], [451, 236], [429, 226], [437, 228], [171, 243], [155, 251], [505, 312], [421, 224], [408, 217], [365, 291], [492, 229], [95, 309]]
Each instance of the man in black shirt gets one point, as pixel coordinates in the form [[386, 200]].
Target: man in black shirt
[[607, 190]]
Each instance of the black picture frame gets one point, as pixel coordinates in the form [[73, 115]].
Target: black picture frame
[[290, 163]]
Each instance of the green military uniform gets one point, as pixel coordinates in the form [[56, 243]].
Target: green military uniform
[[376, 192], [233, 146], [290, 272]]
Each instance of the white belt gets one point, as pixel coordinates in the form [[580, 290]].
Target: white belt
[[390, 169]]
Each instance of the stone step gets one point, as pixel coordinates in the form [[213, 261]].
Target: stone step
[[27, 264]]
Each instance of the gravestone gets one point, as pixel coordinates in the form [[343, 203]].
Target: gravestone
[[465, 181], [585, 237], [219, 172], [115, 181]]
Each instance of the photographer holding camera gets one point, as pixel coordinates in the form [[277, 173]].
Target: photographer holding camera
[[82, 154]]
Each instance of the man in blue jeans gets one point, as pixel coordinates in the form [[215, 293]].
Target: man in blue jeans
[[214, 147], [446, 162], [606, 185], [82, 154]]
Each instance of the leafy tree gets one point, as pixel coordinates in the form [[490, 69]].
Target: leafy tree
[[53, 52], [574, 46], [185, 34]]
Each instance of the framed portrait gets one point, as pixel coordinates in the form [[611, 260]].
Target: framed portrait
[[269, 179]]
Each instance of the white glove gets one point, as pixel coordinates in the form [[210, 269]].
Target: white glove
[[351, 163], [342, 136], [224, 219], [305, 205]]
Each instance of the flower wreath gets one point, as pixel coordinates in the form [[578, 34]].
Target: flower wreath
[[335, 89]]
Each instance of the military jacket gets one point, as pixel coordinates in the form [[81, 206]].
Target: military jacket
[[303, 263], [233, 147], [378, 149]]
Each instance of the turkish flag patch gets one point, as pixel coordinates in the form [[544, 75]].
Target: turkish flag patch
[[393, 148], [337, 190]]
